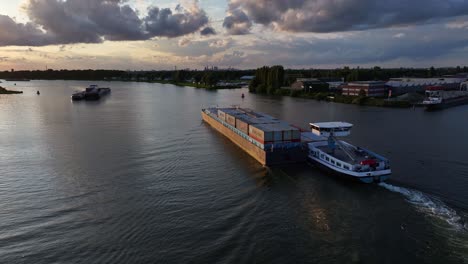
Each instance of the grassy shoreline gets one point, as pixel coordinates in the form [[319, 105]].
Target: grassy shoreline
[[199, 86], [5, 91], [337, 98]]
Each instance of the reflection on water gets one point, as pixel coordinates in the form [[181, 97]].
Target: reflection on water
[[137, 177]]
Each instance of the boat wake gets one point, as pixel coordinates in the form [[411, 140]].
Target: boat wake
[[429, 205]]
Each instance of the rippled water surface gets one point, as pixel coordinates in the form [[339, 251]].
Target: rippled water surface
[[138, 178]]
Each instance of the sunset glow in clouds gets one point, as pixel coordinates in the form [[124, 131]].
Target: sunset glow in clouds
[[144, 34]]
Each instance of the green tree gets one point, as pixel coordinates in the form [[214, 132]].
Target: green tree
[[432, 72]]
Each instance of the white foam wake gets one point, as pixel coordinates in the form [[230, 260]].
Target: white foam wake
[[429, 205]]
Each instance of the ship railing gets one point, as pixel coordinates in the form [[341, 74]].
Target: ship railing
[[334, 161], [379, 157]]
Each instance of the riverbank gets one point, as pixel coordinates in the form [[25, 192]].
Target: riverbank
[[199, 86], [337, 98], [5, 91]]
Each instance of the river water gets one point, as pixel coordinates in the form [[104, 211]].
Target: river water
[[139, 178]]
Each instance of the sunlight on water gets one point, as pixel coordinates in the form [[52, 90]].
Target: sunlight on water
[[429, 205]]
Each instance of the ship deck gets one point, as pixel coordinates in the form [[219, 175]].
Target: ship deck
[[340, 154]]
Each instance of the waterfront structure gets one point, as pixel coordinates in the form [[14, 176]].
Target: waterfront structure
[[247, 78], [310, 85], [268, 140], [414, 85], [369, 88]]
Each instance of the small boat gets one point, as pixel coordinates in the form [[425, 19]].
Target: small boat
[[342, 158]]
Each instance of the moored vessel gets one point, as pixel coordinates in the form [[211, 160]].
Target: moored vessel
[[438, 97], [342, 158]]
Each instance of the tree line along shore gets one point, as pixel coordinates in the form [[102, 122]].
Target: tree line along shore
[[264, 80]]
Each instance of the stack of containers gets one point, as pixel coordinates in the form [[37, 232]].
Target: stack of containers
[[261, 133], [231, 119], [242, 125], [296, 135], [263, 128]]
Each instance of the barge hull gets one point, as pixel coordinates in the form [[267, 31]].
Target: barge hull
[[448, 104], [267, 157], [366, 179]]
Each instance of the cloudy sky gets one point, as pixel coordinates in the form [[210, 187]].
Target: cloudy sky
[[161, 34]]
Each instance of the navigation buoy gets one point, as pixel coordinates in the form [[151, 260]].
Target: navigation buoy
[[38, 93], [243, 96]]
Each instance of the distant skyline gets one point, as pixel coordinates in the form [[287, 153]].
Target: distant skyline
[[151, 34]]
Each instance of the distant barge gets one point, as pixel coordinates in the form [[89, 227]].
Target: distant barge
[[92, 93], [438, 97], [267, 139], [17, 80]]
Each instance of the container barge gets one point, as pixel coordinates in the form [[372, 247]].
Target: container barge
[[92, 93], [268, 140]]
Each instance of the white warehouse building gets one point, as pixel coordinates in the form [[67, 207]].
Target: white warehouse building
[[412, 85]]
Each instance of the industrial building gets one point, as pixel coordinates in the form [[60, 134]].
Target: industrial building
[[414, 85], [310, 85], [370, 88]]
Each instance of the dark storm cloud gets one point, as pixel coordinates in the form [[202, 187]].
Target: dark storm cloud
[[373, 47], [28, 34], [162, 22], [93, 21], [339, 15], [237, 22], [207, 31]]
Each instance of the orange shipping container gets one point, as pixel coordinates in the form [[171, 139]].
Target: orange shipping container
[[222, 115], [260, 135], [231, 120], [242, 126]]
